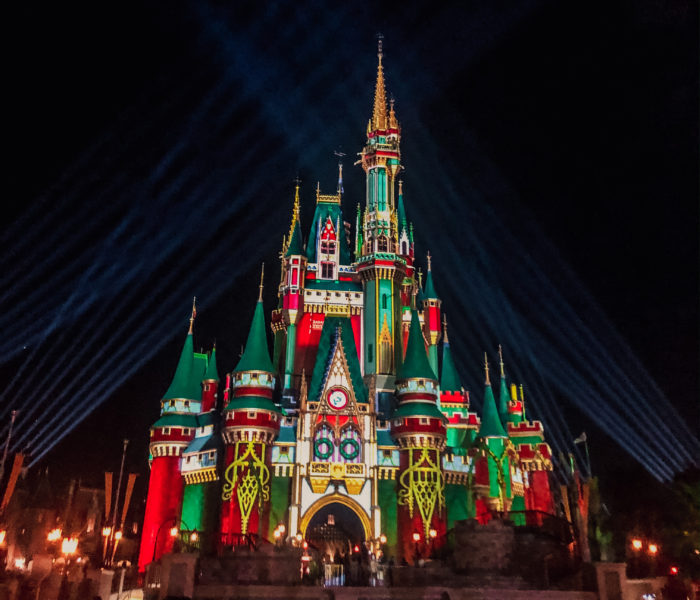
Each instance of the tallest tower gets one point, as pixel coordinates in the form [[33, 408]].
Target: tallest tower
[[379, 263]]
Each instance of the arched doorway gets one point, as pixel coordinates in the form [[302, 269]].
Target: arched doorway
[[335, 524]]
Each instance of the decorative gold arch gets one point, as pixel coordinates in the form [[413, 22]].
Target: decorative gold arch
[[339, 499]]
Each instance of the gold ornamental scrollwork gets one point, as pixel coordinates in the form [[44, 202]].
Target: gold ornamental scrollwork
[[423, 485], [249, 476]]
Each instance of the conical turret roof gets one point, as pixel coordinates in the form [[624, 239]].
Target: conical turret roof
[[211, 374], [403, 221], [449, 378], [185, 383], [415, 364], [491, 425], [256, 356], [429, 293], [296, 246]]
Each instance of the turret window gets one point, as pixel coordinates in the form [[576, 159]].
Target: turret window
[[172, 403], [327, 270], [327, 247], [166, 430], [382, 244], [404, 248]]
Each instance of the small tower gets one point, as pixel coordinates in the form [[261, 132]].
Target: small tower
[[170, 435], [291, 294], [493, 472], [419, 430], [431, 316], [200, 502], [251, 424]]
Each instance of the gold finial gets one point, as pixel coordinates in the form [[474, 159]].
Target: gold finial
[[420, 278], [303, 392], [393, 123], [193, 316], [400, 187], [522, 400], [430, 267], [486, 368], [500, 356], [379, 112], [262, 277], [295, 216], [444, 329]]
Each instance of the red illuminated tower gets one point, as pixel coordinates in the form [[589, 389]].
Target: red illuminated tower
[[251, 424], [170, 435], [419, 430]]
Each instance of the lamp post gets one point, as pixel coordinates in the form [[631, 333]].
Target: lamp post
[[416, 539]]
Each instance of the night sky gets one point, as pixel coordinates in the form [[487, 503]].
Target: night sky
[[575, 125]]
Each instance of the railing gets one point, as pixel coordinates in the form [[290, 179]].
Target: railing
[[252, 541]]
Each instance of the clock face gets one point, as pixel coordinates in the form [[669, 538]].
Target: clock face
[[337, 398]]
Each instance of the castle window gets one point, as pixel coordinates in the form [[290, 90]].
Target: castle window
[[382, 244], [370, 356], [252, 414], [187, 403], [404, 248], [386, 453], [327, 270], [206, 387], [327, 247], [172, 403], [166, 430], [424, 421], [284, 450], [185, 431], [384, 301]]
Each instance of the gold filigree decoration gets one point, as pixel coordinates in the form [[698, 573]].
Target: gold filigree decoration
[[249, 476], [423, 484]]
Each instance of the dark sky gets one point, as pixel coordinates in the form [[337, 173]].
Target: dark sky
[[579, 119]]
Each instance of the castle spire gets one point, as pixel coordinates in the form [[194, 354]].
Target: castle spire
[[256, 356], [379, 112], [503, 393], [262, 280], [449, 378], [491, 425], [193, 316]]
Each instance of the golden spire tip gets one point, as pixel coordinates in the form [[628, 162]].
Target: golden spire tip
[[262, 277], [430, 262], [193, 315], [500, 356], [444, 329], [486, 368]]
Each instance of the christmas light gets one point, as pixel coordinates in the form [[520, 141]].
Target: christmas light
[[54, 535], [69, 546]]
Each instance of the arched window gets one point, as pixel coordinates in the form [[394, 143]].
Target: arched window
[[404, 248], [384, 301], [327, 247], [382, 244], [350, 445]]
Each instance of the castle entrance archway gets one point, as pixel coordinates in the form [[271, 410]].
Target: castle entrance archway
[[335, 525]]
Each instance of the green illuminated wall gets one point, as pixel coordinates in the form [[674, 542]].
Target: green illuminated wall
[[387, 504], [456, 499], [279, 502]]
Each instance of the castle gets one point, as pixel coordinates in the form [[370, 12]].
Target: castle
[[354, 432]]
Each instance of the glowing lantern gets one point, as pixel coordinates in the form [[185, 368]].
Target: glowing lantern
[[54, 535], [277, 534], [653, 548], [416, 537], [69, 545], [282, 528], [433, 534], [118, 535], [674, 570], [382, 539], [173, 531], [637, 544], [194, 536]]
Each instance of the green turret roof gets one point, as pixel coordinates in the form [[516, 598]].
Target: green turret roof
[[429, 292], [403, 222], [211, 374], [415, 364], [336, 330], [186, 383], [449, 378], [256, 356], [296, 245], [176, 420], [252, 402], [490, 421], [418, 409], [503, 398]]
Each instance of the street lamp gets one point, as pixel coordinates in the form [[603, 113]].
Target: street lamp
[[653, 549], [637, 544]]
